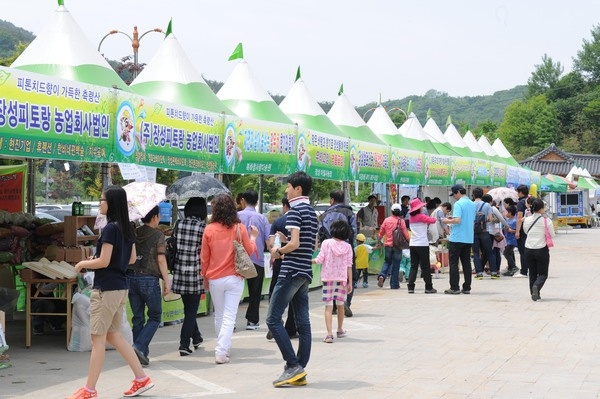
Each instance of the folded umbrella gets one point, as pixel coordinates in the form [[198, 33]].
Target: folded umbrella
[[201, 185]]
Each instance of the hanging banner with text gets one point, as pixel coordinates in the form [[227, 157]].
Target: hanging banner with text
[[461, 170], [497, 174], [437, 170], [259, 147], [12, 187], [322, 155], [155, 133], [46, 117], [369, 162], [480, 172], [406, 166]]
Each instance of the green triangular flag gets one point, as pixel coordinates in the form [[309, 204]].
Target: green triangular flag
[[429, 114], [237, 53], [298, 76], [61, 2], [448, 121], [341, 90], [409, 109], [169, 28]]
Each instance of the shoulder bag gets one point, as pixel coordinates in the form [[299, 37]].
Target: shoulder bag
[[549, 242], [243, 264]]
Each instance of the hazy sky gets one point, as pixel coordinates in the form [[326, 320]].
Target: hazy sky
[[393, 47]]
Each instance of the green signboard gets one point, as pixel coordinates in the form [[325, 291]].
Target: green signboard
[[461, 170], [406, 166], [259, 147], [322, 155], [497, 174], [369, 162], [437, 170]]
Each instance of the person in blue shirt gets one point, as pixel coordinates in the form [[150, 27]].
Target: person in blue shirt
[[250, 217], [511, 241], [461, 239], [165, 209]]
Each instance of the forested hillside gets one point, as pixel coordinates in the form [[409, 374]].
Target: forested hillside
[[10, 37]]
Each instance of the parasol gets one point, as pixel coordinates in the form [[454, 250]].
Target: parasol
[[142, 197], [201, 185], [499, 193]]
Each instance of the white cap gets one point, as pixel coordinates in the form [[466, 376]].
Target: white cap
[[396, 207]]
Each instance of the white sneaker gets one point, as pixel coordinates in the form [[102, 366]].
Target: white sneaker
[[519, 275], [252, 326]]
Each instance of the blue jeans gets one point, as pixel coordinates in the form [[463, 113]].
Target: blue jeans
[[189, 328], [392, 259], [483, 243], [293, 291], [144, 291]]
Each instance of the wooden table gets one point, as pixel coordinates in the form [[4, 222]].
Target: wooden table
[[66, 294]]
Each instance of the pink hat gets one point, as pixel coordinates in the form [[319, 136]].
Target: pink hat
[[416, 204]]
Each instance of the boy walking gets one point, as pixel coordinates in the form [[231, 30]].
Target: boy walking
[[293, 280]]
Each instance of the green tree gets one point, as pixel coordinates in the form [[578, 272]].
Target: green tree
[[587, 61], [529, 126], [545, 77], [7, 61]]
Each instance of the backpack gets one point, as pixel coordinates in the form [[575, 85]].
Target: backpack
[[480, 225], [171, 249], [339, 212], [399, 241]]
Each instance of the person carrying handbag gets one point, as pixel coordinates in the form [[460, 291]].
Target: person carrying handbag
[[218, 269], [537, 227]]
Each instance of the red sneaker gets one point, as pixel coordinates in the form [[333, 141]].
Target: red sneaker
[[139, 387], [83, 393]]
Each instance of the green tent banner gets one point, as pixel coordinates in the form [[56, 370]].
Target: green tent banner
[[369, 162], [481, 172], [323, 155], [437, 170], [497, 174], [259, 147], [461, 170], [406, 166]]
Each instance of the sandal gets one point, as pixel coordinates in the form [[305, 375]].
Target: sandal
[[328, 339], [341, 334]]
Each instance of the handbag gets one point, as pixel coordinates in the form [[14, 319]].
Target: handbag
[[243, 264], [498, 237], [549, 242]]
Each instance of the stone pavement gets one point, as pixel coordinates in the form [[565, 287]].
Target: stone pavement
[[494, 343]]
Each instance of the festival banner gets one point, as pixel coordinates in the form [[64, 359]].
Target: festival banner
[[524, 176], [259, 147], [497, 174], [512, 176], [46, 117], [322, 155], [406, 166], [369, 162], [160, 134], [480, 172], [437, 170], [12, 187], [461, 169]]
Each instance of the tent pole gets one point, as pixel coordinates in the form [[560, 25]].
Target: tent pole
[[30, 186]]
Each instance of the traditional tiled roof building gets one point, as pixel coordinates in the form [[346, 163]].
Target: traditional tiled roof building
[[557, 162]]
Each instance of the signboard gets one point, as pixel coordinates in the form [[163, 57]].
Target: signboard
[[480, 172], [497, 174], [12, 188], [369, 162], [406, 166], [322, 155], [259, 147], [437, 170], [461, 170]]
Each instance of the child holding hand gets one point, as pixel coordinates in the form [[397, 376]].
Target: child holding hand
[[335, 258]]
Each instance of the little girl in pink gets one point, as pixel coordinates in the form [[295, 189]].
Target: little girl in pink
[[335, 257]]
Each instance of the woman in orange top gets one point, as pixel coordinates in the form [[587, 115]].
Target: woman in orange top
[[218, 269]]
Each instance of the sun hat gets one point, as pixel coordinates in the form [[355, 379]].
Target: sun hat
[[361, 237], [416, 204], [396, 207]]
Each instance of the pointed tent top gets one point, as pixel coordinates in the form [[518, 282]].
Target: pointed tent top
[[472, 143], [379, 99], [171, 76], [500, 149], [448, 121], [62, 50], [381, 123], [341, 90], [298, 74], [238, 53], [486, 146], [433, 132], [299, 100], [169, 28]]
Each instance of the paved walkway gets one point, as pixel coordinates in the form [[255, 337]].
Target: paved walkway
[[495, 343]]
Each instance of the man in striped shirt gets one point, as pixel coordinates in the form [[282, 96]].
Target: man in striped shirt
[[293, 280]]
